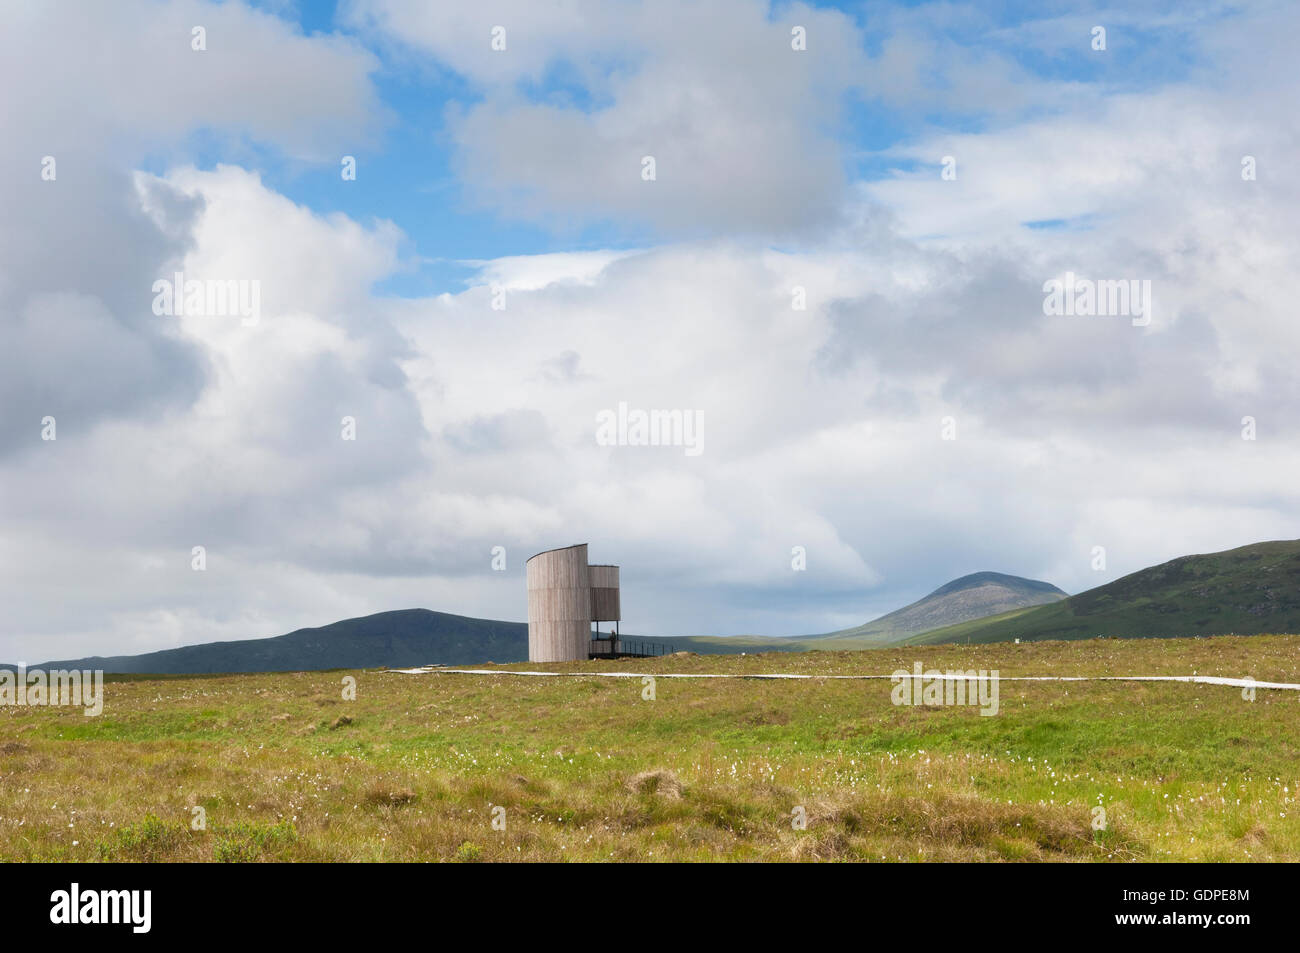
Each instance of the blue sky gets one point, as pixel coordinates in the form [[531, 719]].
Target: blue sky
[[798, 273], [407, 174]]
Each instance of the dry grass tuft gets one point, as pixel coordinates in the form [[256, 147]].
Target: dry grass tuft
[[663, 784], [382, 794]]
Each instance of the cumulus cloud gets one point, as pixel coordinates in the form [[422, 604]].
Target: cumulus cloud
[[79, 246], [739, 124], [475, 411]]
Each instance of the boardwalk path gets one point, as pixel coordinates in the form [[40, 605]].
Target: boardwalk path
[[1198, 679]]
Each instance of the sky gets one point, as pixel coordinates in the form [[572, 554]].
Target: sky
[[823, 236]]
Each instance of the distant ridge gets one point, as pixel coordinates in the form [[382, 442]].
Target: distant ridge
[[404, 637], [1249, 590], [976, 596], [400, 637]]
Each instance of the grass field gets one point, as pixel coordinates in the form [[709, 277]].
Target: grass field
[[585, 769]]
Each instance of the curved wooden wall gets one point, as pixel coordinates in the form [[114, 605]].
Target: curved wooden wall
[[559, 605]]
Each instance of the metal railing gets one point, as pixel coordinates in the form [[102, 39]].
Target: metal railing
[[639, 647]]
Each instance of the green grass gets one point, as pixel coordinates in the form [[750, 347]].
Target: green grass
[[585, 769]]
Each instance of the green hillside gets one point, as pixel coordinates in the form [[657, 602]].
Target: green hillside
[[1250, 590], [1246, 591], [404, 637], [975, 596]]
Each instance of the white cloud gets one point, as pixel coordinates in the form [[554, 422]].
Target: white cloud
[[738, 123], [476, 426], [79, 254]]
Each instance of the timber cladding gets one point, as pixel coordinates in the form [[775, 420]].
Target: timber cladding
[[605, 604], [565, 595]]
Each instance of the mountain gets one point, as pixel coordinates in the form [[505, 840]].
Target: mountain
[[975, 596], [402, 637], [1249, 590], [405, 637], [1245, 591]]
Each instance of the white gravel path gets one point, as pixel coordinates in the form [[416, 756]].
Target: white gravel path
[[1199, 679]]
